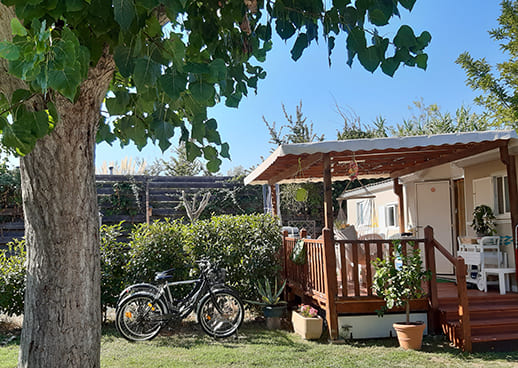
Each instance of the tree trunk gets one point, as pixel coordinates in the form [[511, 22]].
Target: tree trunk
[[62, 319]]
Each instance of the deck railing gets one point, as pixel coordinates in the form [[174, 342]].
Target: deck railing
[[342, 270]]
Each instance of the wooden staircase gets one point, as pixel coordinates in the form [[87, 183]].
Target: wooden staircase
[[493, 317]]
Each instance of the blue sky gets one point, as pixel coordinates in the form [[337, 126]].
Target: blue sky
[[455, 26]]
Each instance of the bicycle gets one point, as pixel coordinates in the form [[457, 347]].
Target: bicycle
[[143, 309]]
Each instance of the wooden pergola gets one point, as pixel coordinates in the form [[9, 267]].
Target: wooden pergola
[[382, 157], [319, 279]]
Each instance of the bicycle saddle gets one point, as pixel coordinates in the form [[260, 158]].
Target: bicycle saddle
[[165, 275]]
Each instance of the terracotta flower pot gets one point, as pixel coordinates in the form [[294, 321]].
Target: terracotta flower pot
[[410, 336], [308, 328]]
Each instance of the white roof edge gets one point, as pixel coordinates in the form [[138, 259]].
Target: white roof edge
[[378, 144], [372, 187]]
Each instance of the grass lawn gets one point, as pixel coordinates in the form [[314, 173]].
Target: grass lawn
[[188, 346]]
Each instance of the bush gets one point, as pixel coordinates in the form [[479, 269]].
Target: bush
[[114, 257], [157, 247], [12, 277], [246, 246]]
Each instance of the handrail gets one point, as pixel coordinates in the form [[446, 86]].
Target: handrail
[[444, 252], [462, 291]]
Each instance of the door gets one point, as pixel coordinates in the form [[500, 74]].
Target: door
[[434, 209]]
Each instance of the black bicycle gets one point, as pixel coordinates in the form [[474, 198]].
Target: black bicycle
[[143, 309]]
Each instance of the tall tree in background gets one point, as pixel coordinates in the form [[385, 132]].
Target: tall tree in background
[[178, 165], [58, 60], [499, 85]]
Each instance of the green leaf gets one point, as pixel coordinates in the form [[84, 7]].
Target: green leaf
[[210, 153], [17, 28], [192, 150], [284, 28], [389, 66], [218, 69], [407, 4], [198, 130], [405, 37], [214, 165], [378, 17], [124, 12], [9, 51], [300, 44], [233, 100], [163, 131], [369, 58], [124, 60], [356, 43], [74, 5], [146, 73], [421, 61], [119, 104], [225, 150], [173, 83], [65, 82], [202, 91], [423, 40]]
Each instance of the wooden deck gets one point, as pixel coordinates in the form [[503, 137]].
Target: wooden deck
[[493, 318], [336, 279]]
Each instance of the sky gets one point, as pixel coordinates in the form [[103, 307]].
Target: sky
[[455, 26]]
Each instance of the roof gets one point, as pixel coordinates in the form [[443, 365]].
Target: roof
[[376, 157]]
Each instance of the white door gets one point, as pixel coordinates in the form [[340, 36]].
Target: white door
[[434, 209]]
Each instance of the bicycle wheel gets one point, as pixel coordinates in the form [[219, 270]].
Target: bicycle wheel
[[132, 289], [224, 323], [138, 317]]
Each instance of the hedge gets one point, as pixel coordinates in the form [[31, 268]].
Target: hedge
[[246, 246]]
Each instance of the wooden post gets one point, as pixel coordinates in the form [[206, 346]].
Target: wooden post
[[273, 194], [433, 316], [510, 164], [462, 292], [148, 212], [330, 284], [398, 189], [284, 261], [328, 194]]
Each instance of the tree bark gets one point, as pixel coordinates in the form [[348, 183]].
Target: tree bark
[[62, 318]]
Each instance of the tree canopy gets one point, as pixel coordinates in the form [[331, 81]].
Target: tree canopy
[[498, 83], [165, 78]]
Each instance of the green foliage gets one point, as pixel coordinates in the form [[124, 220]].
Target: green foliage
[[125, 199], [270, 293], [10, 189], [114, 257], [178, 165], [157, 247], [483, 220], [238, 199], [498, 84], [399, 278], [12, 278], [165, 79], [245, 245]]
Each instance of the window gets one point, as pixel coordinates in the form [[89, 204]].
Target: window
[[364, 212], [391, 215], [501, 191]]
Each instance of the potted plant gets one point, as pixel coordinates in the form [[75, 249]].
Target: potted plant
[[306, 322], [398, 280], [483, 221], [273, 306]]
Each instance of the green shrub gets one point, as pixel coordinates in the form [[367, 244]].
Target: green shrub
[[157, 247], [246, 246], [114, 257], [12, 277]]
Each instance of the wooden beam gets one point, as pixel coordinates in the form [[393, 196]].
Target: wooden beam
[[457, 154], [301, 165], [328, 193], [398, 189], [273, 195], [510, 164]]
